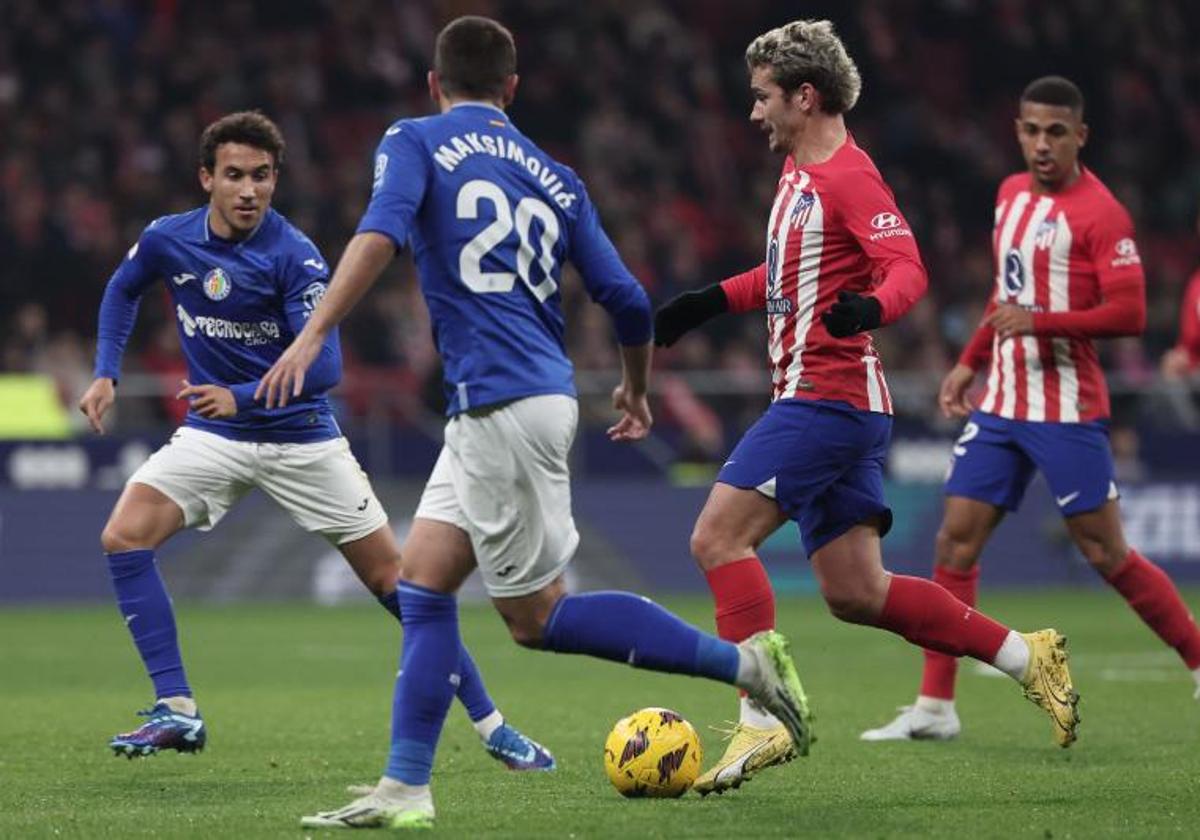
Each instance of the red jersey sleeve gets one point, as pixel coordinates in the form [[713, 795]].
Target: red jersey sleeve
[[1122, 309], [873, 219], [978, 351], [1189, 321], [746, 291]]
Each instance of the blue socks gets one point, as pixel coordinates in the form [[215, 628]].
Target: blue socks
[[623, 627], [147, 611], [471, 691], [429, 677]]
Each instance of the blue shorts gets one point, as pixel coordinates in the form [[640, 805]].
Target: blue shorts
[[822, 463], [995, 458]]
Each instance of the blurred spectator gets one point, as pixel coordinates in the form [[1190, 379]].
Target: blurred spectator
[[101, 104]]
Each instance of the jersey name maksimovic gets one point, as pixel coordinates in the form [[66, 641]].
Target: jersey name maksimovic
[[491, 219]]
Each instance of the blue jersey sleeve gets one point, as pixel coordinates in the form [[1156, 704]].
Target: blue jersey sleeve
[[304, 277], [402, 173], [119, 306], [606, 278]]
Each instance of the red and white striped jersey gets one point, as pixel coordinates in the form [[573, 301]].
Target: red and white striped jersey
[[1056, 253], [834, 227]]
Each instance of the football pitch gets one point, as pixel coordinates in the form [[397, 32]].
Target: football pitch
[[297, 701]]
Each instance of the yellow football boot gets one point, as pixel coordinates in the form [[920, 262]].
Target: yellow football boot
[[750, 749], [1047, 683]]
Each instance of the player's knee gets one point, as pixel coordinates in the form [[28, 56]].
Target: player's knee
[[119, 535], [1104, 556], [850, 601], [710, 548], [956, 548], [382, 580], [526, 631], [526, 621]]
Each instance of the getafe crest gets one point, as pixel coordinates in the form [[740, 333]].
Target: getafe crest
[[217, 284]]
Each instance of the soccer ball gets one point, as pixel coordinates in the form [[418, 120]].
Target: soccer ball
[[653, 752]]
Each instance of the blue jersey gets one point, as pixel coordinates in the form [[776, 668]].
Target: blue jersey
[[238, 306], [491, 219]]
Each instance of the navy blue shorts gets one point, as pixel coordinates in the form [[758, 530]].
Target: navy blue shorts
[[995, 459], [822, 463]]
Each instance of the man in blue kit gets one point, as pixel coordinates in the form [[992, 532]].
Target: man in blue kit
[[491, 218], [243, 280]]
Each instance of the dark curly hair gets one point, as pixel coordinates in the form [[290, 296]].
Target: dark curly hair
[[251, 128]]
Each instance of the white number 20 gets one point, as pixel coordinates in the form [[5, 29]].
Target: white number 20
[[528, 209]]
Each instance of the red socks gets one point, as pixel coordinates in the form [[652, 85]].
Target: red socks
[[927, 615], [745, 603], [1155, 599], [937, 680]]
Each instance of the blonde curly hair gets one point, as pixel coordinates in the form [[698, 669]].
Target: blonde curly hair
[[809, 51]]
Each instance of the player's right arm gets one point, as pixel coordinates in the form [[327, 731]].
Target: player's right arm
[[740, 293], [118, 312], [952, 396], [1184, 357], [401, 176]]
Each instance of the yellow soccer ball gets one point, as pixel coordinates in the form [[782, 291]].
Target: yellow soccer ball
[[653, 752]]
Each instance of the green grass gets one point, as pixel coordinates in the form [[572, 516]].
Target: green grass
[[297, 700]]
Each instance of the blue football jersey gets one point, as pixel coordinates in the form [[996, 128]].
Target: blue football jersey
[[491, 219], [238, 305]]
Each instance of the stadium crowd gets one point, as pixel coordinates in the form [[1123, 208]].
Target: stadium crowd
[[102, 102]]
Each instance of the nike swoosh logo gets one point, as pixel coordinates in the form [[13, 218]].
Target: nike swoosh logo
[[738, 767], [1063, 501], [1049, 689]]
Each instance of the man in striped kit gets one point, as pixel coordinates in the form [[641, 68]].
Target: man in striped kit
[[840, 260], [1067, 270]]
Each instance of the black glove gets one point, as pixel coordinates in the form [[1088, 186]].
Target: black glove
[[852, 314], [688, 310]]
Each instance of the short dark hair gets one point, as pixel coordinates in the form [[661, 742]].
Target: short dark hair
[[474, 56], [1054, 90], [251, 128]]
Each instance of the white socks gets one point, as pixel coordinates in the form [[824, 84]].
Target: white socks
[[755, 715], [485, 726], [1013, 656], [400, 793], [180, 705], [748, 672], [934, 705]]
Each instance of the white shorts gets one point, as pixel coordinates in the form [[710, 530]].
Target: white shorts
[[502, 477], [320, 484]]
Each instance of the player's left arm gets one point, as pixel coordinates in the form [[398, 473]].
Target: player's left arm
[[876, 223], [607, 280], [1122, 309], [610, 283]]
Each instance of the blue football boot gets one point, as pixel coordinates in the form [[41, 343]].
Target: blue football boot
[[517, 751], [164, 729]]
